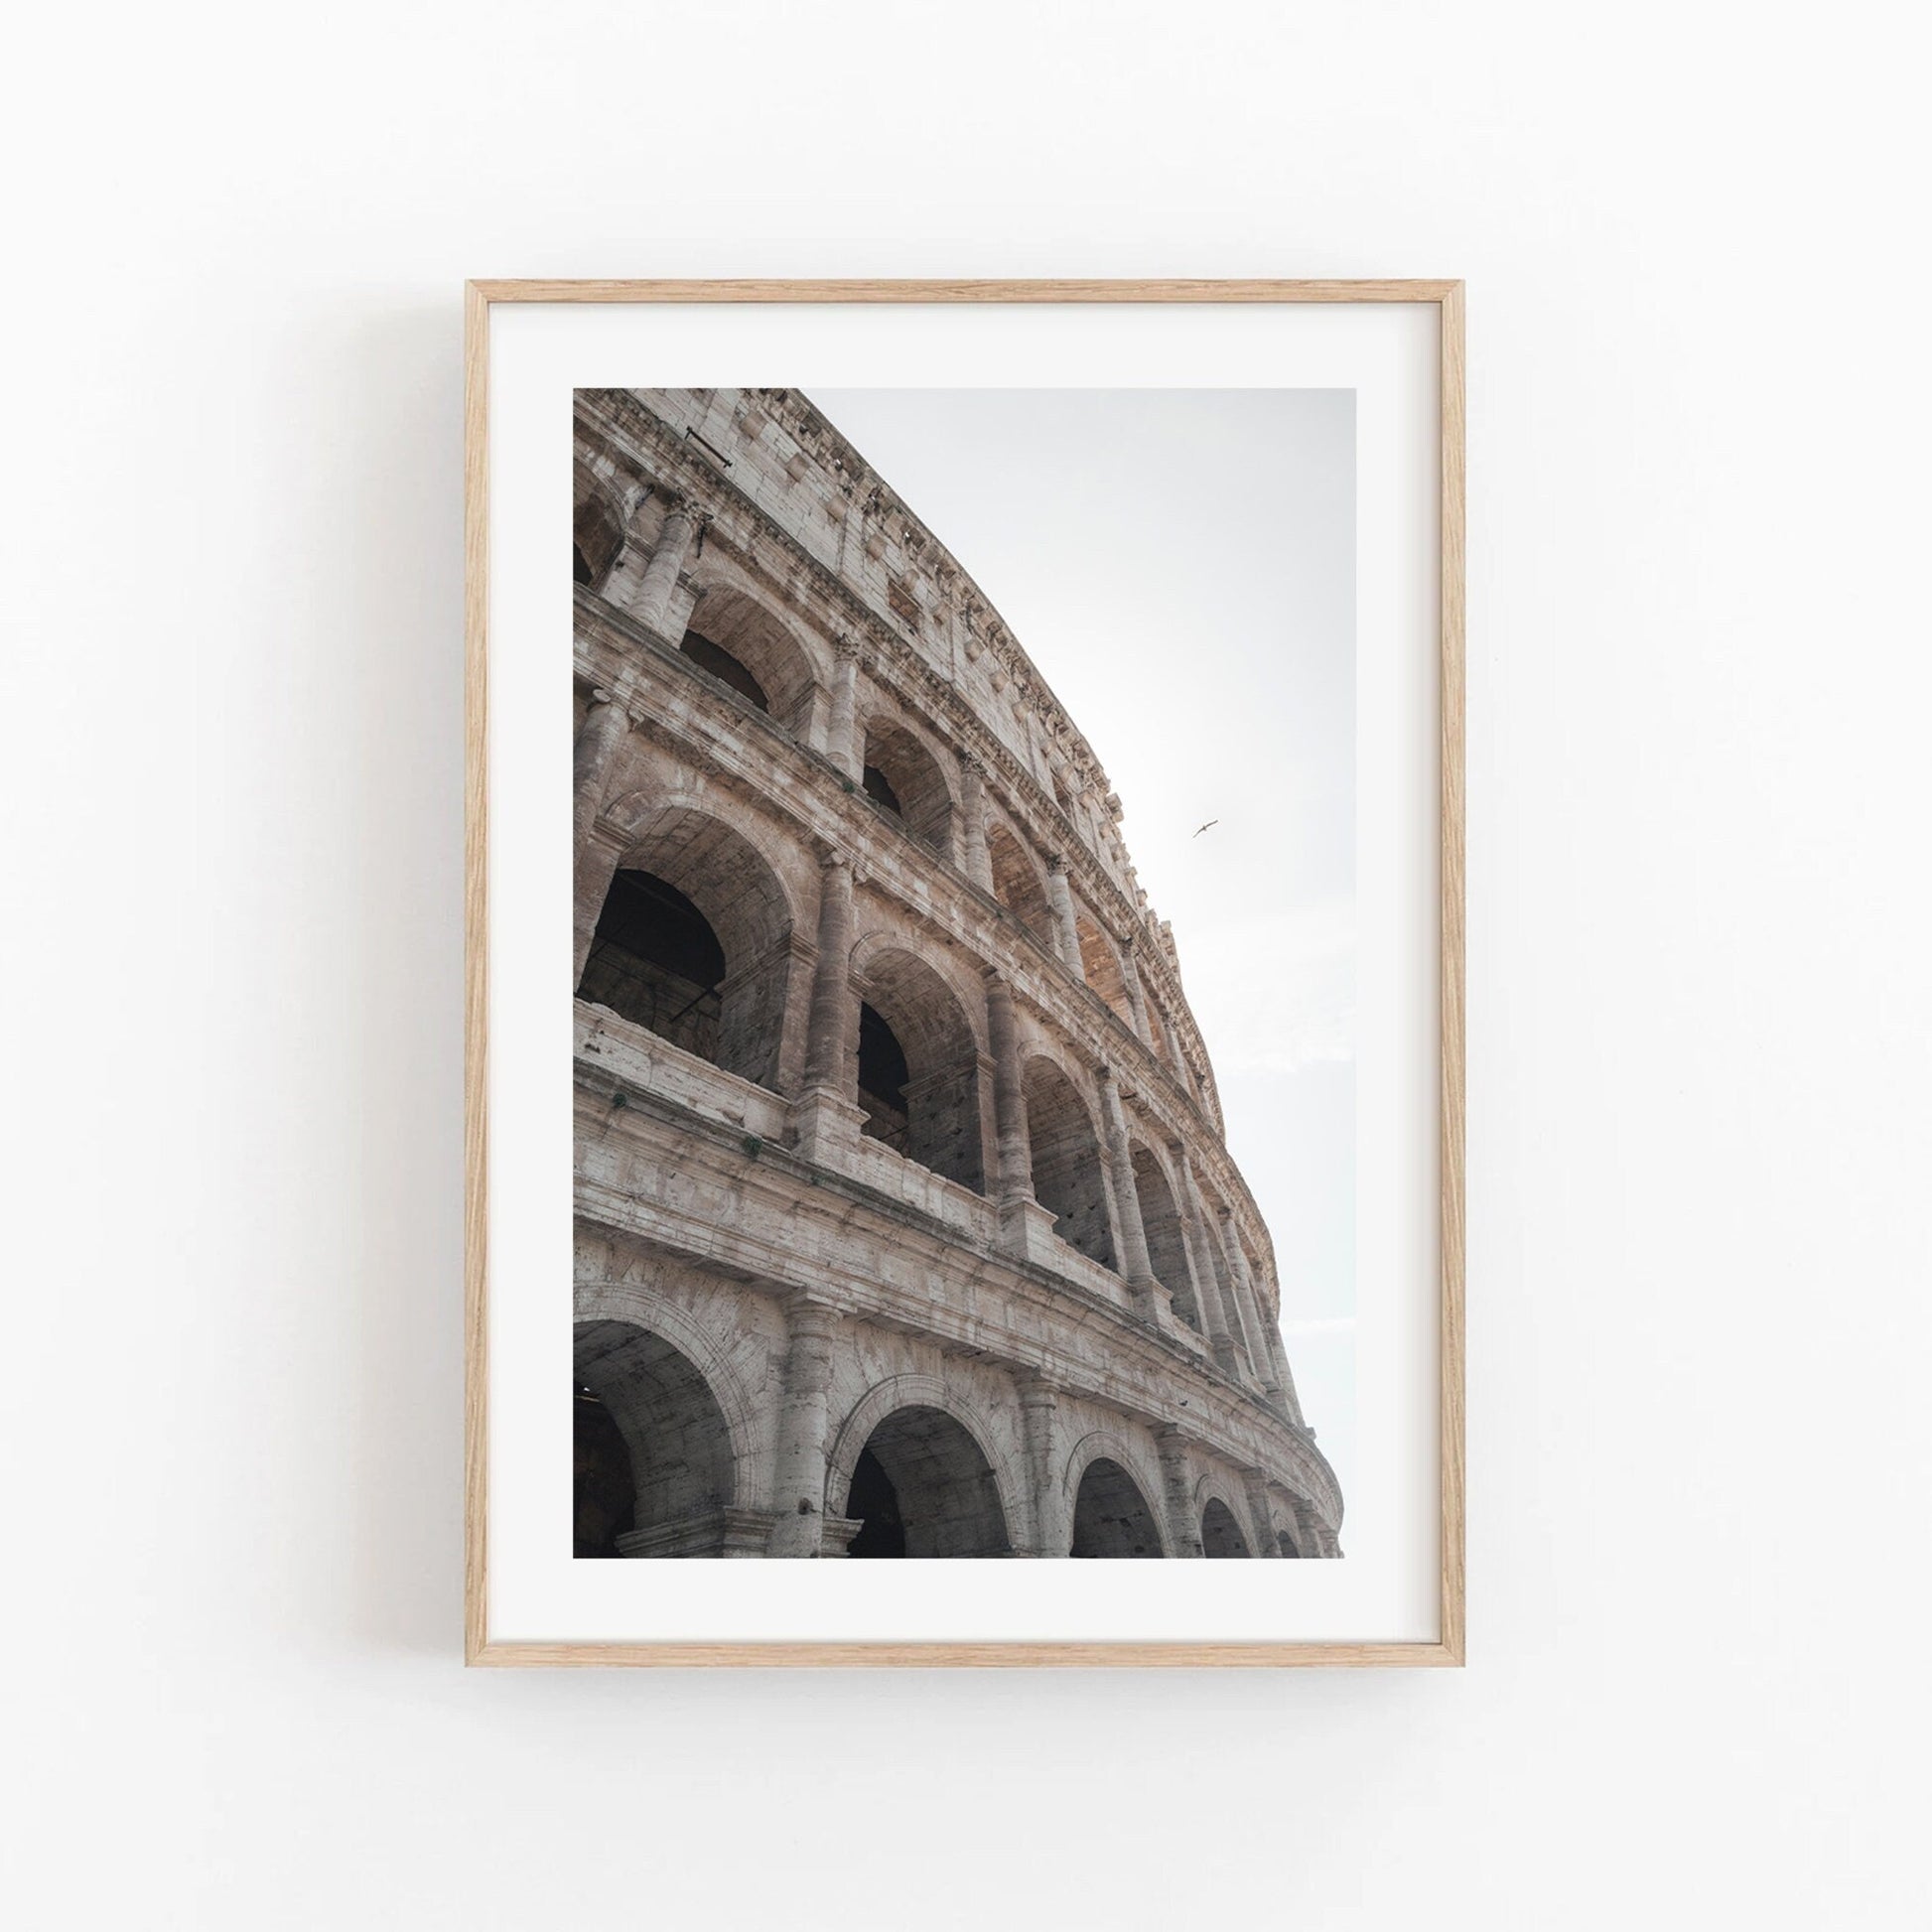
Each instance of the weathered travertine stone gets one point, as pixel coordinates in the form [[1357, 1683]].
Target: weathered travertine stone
[[904, 1219]]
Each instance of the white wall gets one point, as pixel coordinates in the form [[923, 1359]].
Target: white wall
[[1700, 1053]]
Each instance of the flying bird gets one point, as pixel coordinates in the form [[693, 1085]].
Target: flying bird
[[1199, 829]]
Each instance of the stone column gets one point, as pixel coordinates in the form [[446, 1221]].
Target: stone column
[[1255, 1485], [1060, 896], [605, 728], [798, 1467], [825, 1115], [1243, 1321], [1284, 1375], [1137, 1269], [1130, 972], [659, 585], [975, 858], [1015, 1161], [1310, 1533], [842, 732], [1039, 1410], [1207, 1282], [1025, 1228], [1184, 1527], [1260, 1352]]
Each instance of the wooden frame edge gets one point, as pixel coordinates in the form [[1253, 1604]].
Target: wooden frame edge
[[965, 1656], [1451, 1650], [752, 289], [476, 969]]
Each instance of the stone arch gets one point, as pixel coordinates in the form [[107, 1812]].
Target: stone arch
[[1068, 1178], [905, 779], [647, 1307], [694, 941], [1166, 1240], [1016, 882], [1287, 1544], [1111, 1519], [953, 1497], [680, 1459], [934, 1117], [597, 530], [1221, 1533], [739, 640]]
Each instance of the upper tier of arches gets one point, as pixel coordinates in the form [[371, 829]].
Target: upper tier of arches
[[766, 641]]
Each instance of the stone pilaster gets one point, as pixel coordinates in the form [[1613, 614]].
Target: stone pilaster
[[1207, 1281], [1284, 1375], [842, 744], [1311, 1536], [1261, 1349], [1014, 1163], [1255, 1484], [653, 605], [1137, 1269], [1130, 972], [798, 1465], [975, 856], [1040, 1413], [1060, 895], [1177, 1495], [825, 1116], [1241, 1321], [1025, 1228], [601, 735]]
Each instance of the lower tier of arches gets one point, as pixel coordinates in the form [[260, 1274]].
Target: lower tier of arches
[[713, 1420]]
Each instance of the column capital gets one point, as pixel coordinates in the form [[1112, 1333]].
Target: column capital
[[971, 761], [1056, 860], [811, 1314], [846, 647]]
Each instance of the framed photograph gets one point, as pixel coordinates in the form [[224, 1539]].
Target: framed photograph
[[993, 778]]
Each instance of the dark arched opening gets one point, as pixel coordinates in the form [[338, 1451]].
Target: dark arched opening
[[1286, 1542], [605, 1487], [1220, 1532], [918, 1068], [1166, 1244], [596, 537], [922, 1488], [740, 642], [874, 1504], [643, 1409], [904, 778], [692, 942], [883, 1078], [655, 959], [1110, 1515], [1067, 1178], [724, 667]]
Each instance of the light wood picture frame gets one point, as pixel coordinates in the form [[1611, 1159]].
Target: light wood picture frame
[[483, 1645]]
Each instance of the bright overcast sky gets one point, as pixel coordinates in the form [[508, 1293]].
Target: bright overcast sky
[[1181, 564]]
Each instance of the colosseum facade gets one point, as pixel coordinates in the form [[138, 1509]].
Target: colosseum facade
[[904, 1222]]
